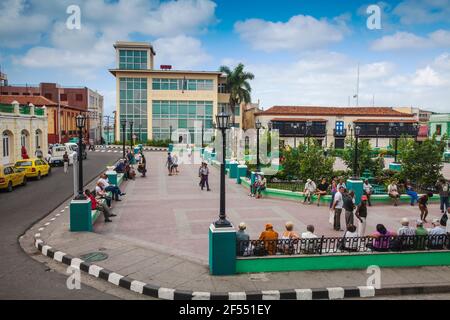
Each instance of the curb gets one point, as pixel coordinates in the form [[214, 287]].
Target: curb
[[173, 294], [103, 148]]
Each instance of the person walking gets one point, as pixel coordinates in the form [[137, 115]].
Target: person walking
[[24, 153], [66, 162], [169, 163], [39, 153], [338, 204], [142, 167], [443, 187], [204, 172], [361, 215], [368, 190], [348, 206]]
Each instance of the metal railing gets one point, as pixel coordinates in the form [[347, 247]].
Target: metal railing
[[341, 245]]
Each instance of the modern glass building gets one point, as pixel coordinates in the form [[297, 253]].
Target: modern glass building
[[160, 101]]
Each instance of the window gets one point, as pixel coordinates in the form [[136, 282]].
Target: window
[[48, 96], [63, 97], [36, 94], [79, 97], [15, 93], [438, 129], [133, 59], [182, 84], [5, 145]]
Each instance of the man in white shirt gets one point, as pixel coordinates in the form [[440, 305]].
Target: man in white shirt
[[405, 229], [437, 234], [309, 245], [110, 188], [310, 189], [338, 204]]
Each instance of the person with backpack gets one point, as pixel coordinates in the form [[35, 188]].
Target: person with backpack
[[443, 187], [169, 163]]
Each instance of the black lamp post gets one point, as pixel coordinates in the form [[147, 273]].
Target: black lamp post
[[131, 135], [270, 125], [170, 133], [395, 130], [350, 128], [355, 160], [81, 123], [258, 127], [222, 120], [203, 132], [123, 122], [416, 127], [377, 129], [308, 127], [295, 126]]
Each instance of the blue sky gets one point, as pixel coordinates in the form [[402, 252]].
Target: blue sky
[[301, 52]]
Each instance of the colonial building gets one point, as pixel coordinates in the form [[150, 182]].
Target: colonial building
[[22, 125], [160, 101], [68, 102], [331, 125], [440, 126]]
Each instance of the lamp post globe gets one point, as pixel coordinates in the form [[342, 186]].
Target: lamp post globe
[[81, 123], [222, 123]]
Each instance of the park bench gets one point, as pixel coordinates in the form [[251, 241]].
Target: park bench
[[96, 213]]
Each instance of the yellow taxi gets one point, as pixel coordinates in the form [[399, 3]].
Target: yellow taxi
[[34, 168], [11, 176]]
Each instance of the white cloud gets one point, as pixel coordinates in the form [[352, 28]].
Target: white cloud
[[405, 40], [18, 28], [307, 82], [181, 52], [299, 33], [423, 11]]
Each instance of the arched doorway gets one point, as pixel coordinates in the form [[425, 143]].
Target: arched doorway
[[7, 147], [38, 136]]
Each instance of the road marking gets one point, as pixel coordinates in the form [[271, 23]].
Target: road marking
[[165, 293], [304, 294], [41, 229], [237, 295], [57, 215], [48, 223], [201, 295], [37, 235], [52, 219], [58, 256], [137, 286], [335, 293]]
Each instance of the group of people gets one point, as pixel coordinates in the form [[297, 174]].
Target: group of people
[[203, 174], [127, 165], [172, 164], [258, 186]]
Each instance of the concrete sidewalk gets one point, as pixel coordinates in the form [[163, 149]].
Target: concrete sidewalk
[[159, 239]]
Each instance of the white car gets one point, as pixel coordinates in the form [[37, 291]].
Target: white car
[[57, 153]]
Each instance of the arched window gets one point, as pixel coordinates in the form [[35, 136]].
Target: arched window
[[5, 139], [38, 138]]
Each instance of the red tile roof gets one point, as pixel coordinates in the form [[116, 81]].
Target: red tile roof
[[38, 101], [334, 111], [385, 120], [299, 119]]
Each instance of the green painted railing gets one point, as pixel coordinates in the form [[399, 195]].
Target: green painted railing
[[39, 112], [6, 108]]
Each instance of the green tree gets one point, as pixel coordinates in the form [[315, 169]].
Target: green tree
[[314, 164], [365, 160], [238, 86], [422, 163]]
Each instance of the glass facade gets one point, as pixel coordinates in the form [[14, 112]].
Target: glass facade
[[179, 115], [133, 106], [133, 59], [182, 84], [227, 109]]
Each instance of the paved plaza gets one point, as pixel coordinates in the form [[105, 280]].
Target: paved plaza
[[172, 214]]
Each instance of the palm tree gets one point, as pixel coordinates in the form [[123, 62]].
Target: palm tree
[[238, 86]]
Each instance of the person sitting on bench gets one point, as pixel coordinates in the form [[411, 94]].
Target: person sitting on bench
[[95, 205]]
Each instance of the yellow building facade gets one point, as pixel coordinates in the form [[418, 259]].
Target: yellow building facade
[[162, 102]]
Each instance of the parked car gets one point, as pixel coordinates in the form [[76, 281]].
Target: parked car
[[11, 177], [56, 156], [34, 168]]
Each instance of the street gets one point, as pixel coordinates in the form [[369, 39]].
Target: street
[[21, 276]]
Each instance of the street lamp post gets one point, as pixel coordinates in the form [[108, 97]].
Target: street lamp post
[[131, 135], [355, 160], [295, 126], [258, 127], [377, 129], [170, 133], [124, 128], [81, 123], [203, 132], [416, 127], [395, 130], [222, 120]]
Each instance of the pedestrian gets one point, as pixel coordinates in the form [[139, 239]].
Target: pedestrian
[[66, 162], [310, 189], [333, 190], [443, 187], [423, 202], [361, 215], [349, 240], [393, 192], [338, 204], [110, 188], [39, 153], [382, 239], [341, 183], [100, 192], [411, 193], [322, 189], [175, 164], [348, 206], [242, 240], [142, 167], [204, 172], [24, 153], [368, 190], [262, 181], [169, 163]]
